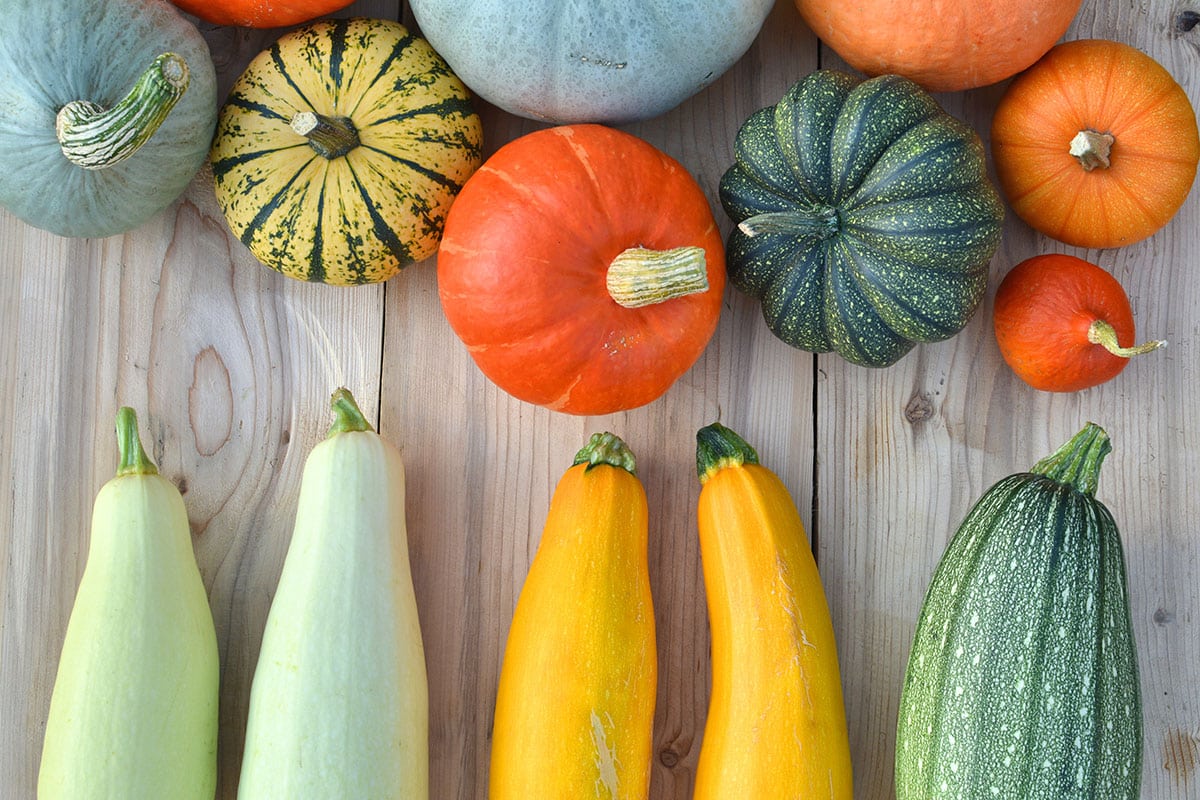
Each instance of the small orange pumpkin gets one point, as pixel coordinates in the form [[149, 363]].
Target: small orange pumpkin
[[1064, 324], [944, 45], [1096, 145]]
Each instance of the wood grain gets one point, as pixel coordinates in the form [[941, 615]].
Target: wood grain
[[230, 367]]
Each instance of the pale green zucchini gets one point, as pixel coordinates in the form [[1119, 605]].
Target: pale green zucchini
[[1022, 683], [133, 715]]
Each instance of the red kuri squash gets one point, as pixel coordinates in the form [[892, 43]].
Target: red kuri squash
[[944, 45], [260, 13], [582, 268], [1064, 324], [1096, 145]]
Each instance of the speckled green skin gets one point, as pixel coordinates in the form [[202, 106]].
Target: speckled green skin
[[1022, 682], [882, 223], [611, 62], [52, 53]]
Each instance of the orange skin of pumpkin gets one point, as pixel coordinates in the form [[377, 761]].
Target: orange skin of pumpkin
[[260, 13], [524, 254], [944, 45], [1111, 88], [1042, 313]]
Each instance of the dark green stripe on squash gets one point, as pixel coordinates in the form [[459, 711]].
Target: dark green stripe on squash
[[914, 219], [1022, 681]]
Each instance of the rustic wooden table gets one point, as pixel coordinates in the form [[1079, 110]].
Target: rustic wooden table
[[231, 366]]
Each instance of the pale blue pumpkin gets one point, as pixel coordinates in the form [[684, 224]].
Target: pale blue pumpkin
[[139, 88], [612, 61]]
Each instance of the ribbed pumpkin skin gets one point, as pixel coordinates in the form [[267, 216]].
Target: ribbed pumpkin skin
[[883, 218], [1022, 681], [54, 53], [260, 13], [575, 705], [361, 217]]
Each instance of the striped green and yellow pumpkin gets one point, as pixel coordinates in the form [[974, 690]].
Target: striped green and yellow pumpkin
[[340, 149], [1022, 681], [865, 217]]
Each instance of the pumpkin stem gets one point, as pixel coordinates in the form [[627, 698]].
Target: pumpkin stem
[[133, 459], [642, 277], [819, 223], [349, 417], [1093, 149], [717, 447], [1077, 463], [332, 137], [1103, 334], [606, 448], [94, 138]]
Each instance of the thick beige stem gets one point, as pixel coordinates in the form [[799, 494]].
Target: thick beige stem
[[641, 277], [1093, 149]]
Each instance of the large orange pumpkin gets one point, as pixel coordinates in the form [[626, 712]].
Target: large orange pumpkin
[[582, 268], [944, 45], [1096, 145]]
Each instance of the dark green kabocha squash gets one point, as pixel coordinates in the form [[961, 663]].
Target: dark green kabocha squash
[[865, 217]]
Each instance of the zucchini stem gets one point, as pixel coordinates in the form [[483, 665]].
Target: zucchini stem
[[606, 448], [348, 416], [640, 277], [717, 447], [1077, 462], [133, 458], [1103, 334], [93, 137]]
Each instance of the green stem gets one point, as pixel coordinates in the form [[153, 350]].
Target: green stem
[[1093, 149], [606, 448], [717, 447], [348, 416], [1103, 334], [93, 137], [133, 459], [641, 277], [1077, 463], [331, 137], [820, 223]]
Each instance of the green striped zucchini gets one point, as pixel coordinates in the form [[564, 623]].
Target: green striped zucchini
[[1022, 682], [340, 149], [865, 217]]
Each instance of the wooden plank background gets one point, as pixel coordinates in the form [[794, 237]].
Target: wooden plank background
[[230, 367]]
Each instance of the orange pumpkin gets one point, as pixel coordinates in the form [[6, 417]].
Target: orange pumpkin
[[944, 45], [1096, 145], [582, 268], [1064, 324]]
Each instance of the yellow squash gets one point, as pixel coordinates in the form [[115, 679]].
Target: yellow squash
[[133, 715], [575, 706], [776, 724], [339, 705]]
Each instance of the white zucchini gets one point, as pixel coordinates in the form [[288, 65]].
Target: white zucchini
[[339, 702], [133, 715]]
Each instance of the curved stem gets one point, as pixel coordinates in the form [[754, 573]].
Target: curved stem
[[1077, 463], [606, 448], [1103, 334], [348, 416], [133, 459], [93, 137], [642, 277], [1093, 149], [332, 137], [717, 447]]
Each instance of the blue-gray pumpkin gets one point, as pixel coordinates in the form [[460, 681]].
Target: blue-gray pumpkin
[[611, 62], [107, 109], [865, 217]]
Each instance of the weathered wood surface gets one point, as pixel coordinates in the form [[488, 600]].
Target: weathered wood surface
[[230, 367]]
